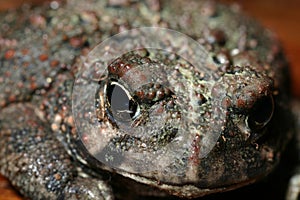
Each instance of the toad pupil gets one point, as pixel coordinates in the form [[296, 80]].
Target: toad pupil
[[261, 113], [122, 108]]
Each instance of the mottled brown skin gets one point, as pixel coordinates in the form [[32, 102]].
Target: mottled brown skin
[[40, 51]]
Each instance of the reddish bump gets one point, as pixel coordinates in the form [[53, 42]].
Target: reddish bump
[[112, 69], [160, 94], [26, 64], [123, 69], [226, 102], [150, 95], [54, 63], [9, 54], [12, 98], [25, 51], [76, 42], [89, 17], [195, 151], [85, 138], [20, 84], [241, 103], [2, 103], [38, 20], [57, 176], [85, 51], [33, 86], [7, 74], [160, 110], [140, 94], [215, 92], [43, 57]]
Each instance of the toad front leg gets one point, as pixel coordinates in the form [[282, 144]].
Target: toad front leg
[[36, 162], [293, 192]]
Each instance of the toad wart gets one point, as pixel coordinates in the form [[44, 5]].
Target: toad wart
[[192, 130]]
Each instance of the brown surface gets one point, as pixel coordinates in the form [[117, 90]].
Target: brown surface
[[278, 15], [6, 191]]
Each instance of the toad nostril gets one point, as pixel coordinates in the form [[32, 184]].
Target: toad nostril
[[261, 113]]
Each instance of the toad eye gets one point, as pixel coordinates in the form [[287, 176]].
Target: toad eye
[[261, 113], [121, 106]]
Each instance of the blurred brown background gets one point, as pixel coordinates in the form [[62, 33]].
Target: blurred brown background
[[281, 16]]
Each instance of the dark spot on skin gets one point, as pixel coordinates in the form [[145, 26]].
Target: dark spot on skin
[[216, 36], [201, 98], [216, 60]]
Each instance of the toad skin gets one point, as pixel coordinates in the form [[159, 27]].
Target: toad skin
[[41, 50]]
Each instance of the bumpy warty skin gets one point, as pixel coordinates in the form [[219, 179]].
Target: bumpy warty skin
[[41, 49]]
